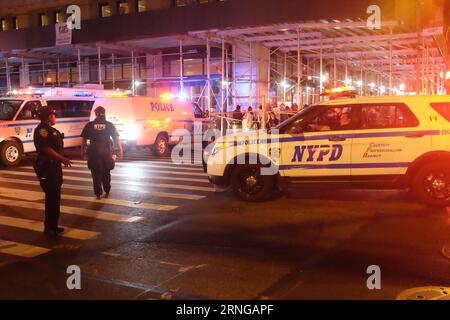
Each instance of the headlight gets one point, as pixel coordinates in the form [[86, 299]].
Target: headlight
[[219, 146], [130, 131]]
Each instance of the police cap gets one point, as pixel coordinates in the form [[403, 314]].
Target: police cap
[[99, 110], [45, 112]]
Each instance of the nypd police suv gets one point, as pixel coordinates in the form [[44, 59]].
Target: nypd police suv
[[373, 142]]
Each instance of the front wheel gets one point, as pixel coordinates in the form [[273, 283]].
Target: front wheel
[[431, 185], [249, 184], [10, 153], [161, 146]]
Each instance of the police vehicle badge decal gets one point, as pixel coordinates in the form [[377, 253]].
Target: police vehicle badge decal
[[43, 133], [18, 130]]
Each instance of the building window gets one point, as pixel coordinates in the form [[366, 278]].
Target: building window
[[122, 7], [140, 6], [43, 19], [15, 22], [105, 10], [58, 17], [3, 25]]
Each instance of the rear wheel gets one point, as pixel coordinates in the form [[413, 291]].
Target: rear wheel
[[431, 185], [10, 153], [249, 184], [161, 146]]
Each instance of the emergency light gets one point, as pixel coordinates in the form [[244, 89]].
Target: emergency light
[[339, 92]]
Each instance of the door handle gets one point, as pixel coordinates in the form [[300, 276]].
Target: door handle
[[337, 139]]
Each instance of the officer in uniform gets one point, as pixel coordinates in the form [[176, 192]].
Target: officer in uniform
[[49, 146], [101, 151]]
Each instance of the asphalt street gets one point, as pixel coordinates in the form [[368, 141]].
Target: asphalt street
[[166, 233]]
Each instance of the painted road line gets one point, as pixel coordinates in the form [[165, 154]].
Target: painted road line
[[36, 195], [21, 249], [66, 186], [158, 160], [94, 214], [143, 170], [137, 174], [168, 160], [38, 226], [122, 182], [132, 174], [169, 165]]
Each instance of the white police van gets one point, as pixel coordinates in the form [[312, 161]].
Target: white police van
[[373, 142], [18, 121], [151, 122]]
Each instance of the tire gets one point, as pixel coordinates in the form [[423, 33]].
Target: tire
[[161, 146], [431, 184], [10, 153], [249, 185]]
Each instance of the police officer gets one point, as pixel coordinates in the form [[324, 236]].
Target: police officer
[[49, 146], [101, 151]]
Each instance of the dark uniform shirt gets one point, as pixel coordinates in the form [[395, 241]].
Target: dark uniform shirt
[[47, 136], [237, 115], [99, 132]]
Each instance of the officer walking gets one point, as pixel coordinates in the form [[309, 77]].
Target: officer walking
[[101, 151], [49, 146]]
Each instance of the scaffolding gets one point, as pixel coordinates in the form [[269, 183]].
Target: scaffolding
[[256, 66]]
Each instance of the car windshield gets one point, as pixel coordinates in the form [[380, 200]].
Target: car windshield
[[8, 109], [306, 111]]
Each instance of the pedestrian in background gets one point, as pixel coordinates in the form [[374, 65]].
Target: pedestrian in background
[[260, 118], [237, 114], [272, 121], [103, 138], [50, 146], [249, 120]]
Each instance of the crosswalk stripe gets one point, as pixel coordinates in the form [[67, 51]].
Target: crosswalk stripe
[[168, 165], [38, 226], [161, 160], [134, 189], [21, 249], [35, 196], [95, 214], [138, 175], [122, 182], [151, 171]]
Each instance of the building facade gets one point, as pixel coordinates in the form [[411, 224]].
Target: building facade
[[223, 53]]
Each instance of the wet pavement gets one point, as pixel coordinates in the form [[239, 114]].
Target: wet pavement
[[166, 233]]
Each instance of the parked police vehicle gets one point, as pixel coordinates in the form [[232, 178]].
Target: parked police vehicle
[[18, 121], [373, 142], [151, 122]]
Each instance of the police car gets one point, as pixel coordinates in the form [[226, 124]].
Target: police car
[[18, 121], [373, 142]]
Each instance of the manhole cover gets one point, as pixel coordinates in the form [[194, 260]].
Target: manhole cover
[[446, 251], [425, 293]]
